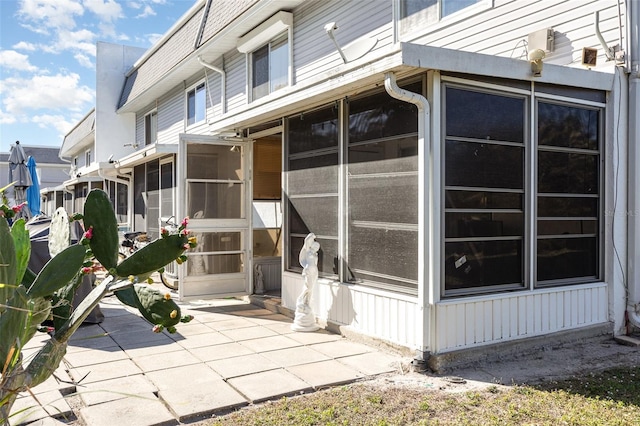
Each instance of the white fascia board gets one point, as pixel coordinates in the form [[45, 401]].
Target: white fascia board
[[265, 32], [448, 60], [403, 58], [145, 154]]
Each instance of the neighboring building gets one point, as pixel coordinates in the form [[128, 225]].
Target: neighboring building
[[463, 194], [51, 170], [99, 137]]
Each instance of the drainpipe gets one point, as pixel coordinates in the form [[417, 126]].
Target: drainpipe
[[633, 209], [223, 79], [425, 245]]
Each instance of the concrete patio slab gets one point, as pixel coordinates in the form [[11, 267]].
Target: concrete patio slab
[[325, 373], [222, 351], [111, 390], [269, 385], [372, 364], [164, 360], [294, 356], [46, 404], [201, 399], [143, 410], [200, 340], [105, 371], [272, 343], [232, 354], [341, 348], [252, 332], [185, 376], [242, 365]]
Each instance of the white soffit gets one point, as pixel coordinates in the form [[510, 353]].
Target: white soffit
[[266, 31]]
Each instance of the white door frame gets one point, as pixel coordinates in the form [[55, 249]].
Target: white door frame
[[225, 285]]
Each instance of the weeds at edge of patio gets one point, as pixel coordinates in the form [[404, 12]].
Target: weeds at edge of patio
[[608, 398]]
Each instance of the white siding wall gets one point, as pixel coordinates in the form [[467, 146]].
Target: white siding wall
[[480, 321], [502, 29], [171, 116], [235, 65], [313, 51], [387, 316]]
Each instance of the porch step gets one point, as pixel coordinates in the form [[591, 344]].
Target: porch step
[[272, 303]]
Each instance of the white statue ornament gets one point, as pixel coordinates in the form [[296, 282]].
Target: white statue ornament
[[305, 319]]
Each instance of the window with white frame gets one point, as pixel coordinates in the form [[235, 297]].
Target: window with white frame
[[270, 67], [151, 128], [416, 13], [371, 174], [118, 193], [87, 157], [520, 213], [196, 104]]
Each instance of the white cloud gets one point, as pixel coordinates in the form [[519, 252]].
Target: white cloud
[[57, 92], [51, 13], [24, 45], [152, 38], [134, 5], [148, 11], [7, 118], [83, 60], [106, 10], [82, 40], [58, 122], [17, 61]]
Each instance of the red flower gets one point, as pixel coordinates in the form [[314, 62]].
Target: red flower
[[89, 234]]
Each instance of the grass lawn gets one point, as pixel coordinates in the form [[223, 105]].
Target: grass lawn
[[608, 398]]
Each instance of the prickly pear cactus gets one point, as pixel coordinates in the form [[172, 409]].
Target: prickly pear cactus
[[25, 297]]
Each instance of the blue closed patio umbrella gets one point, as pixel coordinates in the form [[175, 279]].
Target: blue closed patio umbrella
[[33, 192]]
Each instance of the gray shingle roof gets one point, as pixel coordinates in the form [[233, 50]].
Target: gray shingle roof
[[180, 45], [42, 155]]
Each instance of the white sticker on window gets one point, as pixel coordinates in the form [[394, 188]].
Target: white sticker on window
[[461, 261]]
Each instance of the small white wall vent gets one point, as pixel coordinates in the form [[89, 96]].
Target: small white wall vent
[[542, 39]]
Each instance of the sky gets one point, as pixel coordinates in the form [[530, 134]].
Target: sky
[[48, 53]]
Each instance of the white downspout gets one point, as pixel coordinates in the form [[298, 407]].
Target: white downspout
[[223, 79], [425, 243], [632, 10]]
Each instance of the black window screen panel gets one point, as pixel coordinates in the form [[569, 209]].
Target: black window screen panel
[[484, 177]]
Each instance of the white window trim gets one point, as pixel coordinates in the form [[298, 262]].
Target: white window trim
[[186, 104], [443, 22], [87, 157], [265, 32], [149, 114]]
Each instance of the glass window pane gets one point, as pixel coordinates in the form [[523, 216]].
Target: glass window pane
[[566, 126], [569, 173], [452, 6], [313, 130], [381, 116], [484, 165], [392, 199], [327, 255], [483, 263], [200, 103], [215, 200], [313, 175], [191, 107], [567, 207], [202, 264], [390, 253], [279, 63], [217, 241], [482, 200], [484, 116], [318, 215], [562, 258], [121, 202], [214, 162], [260, 72], [561, 227], [397, 155], [461, 225]]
